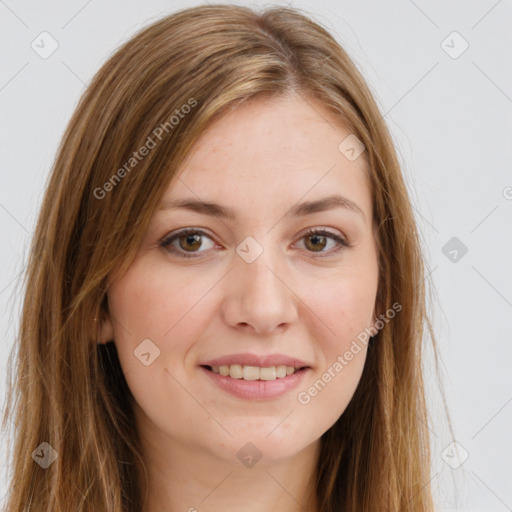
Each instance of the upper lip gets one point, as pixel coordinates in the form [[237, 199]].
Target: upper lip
[[264, 361]]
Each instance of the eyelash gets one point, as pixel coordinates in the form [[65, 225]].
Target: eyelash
[[165, 243]]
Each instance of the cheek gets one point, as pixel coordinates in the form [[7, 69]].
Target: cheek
[[159, 313], [343, 314], [327, 396], [155, 304], [342, 308]]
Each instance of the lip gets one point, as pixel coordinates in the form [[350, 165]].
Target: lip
[[256, 389], [263, 361]]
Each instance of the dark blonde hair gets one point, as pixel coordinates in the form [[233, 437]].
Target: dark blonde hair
[[71, 393]]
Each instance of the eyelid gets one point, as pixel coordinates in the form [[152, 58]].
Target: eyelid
[[340, 240], [166, 241]]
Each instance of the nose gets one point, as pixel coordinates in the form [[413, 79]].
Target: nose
[[259, 296]]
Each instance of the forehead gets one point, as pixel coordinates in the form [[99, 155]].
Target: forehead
[[272, 151]]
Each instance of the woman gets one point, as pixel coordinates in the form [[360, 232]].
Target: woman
[[225, 298]]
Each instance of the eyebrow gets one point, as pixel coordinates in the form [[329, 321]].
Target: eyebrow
[[299, 210]]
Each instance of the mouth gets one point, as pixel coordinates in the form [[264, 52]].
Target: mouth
[[256, 383], [251, 373]]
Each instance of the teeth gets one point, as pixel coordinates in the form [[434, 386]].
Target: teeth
[[238, 371], [281, 371], [250, 372], [267, 373], [235, 371]]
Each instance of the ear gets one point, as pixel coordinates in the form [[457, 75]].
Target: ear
[[375, 317], [106, 329]]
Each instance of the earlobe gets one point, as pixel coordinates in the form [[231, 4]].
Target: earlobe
[[375, 321], [106, 330]]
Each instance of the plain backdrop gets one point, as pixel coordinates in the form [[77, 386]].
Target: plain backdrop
[[441, 73]]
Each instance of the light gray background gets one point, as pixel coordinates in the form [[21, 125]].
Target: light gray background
[[451, 119]]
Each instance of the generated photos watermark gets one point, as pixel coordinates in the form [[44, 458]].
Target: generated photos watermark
[[158, 133], [362, 339]]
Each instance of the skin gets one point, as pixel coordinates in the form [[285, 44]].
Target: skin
[[260, 159]]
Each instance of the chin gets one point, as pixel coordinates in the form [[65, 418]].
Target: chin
[[260, 446]]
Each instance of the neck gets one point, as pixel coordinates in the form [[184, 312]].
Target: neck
[[189, 478]]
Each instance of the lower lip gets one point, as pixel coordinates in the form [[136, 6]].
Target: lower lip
[[257, 389]]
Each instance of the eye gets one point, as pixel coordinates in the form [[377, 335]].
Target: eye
[[319, 239], [189, 238], [189, 242]]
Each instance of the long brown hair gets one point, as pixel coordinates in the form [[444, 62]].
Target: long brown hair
[[179, 75]]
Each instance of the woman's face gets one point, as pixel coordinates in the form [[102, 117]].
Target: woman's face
[[251, 286]]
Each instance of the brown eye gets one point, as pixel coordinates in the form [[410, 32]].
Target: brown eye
[[189, 243], [317, 240]]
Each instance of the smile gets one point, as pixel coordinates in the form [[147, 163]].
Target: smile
[[246, 372], [253, 382]]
